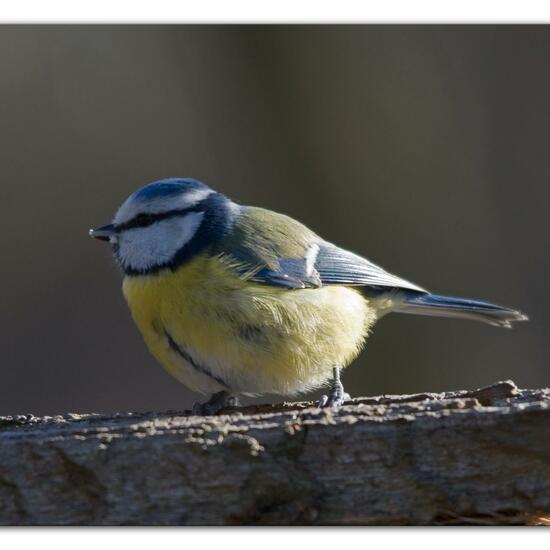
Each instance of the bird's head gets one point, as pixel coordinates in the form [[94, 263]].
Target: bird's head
[[164, 223]]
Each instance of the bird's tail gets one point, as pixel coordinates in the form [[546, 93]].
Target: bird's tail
[[460, 308]]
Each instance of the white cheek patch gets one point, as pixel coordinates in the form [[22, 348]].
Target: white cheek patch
[[143, 248], [131, 208]]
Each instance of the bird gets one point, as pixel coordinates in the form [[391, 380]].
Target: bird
[[238, 300]]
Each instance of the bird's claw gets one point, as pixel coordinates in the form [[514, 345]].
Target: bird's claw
[[215, 404], [335, 399]]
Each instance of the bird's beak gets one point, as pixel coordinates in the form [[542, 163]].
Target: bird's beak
[[104, 233]]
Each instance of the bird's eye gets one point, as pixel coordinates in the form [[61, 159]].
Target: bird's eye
[[142, 220]]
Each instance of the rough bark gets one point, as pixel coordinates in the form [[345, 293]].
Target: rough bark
[[479, 457]]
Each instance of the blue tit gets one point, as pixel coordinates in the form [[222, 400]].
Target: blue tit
[[238, 300]]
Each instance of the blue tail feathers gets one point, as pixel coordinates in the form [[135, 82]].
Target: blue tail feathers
[[461, 308]]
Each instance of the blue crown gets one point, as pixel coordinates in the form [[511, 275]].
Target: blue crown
[[168, 188]]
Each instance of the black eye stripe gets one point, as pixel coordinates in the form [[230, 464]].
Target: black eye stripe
[[144, 220]]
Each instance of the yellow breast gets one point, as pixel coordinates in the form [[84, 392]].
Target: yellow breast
[[213, 330]]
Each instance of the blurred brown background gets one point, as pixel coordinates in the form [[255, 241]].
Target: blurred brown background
[[424, 148]]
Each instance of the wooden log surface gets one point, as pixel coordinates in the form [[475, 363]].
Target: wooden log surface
[[467, 457]]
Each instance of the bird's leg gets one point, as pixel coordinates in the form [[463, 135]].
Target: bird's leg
[[336, 395], [215, 404]]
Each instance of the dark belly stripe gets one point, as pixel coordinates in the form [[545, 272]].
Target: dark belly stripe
[[182, 353]]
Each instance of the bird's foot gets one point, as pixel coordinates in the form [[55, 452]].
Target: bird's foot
[[215, 404], [335, 397]]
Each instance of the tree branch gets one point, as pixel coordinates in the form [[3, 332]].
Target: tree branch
[[475, 457]]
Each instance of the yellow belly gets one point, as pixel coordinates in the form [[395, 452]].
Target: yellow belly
[[243, 336]]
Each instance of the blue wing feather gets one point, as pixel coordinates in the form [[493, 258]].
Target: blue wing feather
[[340, 267], [331, 266], [292, 273]]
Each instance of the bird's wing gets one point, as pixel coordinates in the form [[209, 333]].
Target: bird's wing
[[273, 249], [337, 266]]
